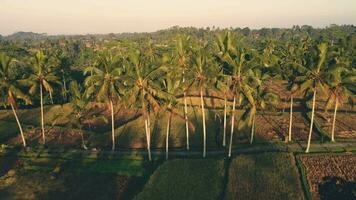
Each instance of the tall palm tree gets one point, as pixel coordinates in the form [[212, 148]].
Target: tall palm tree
[[105, 82], [312, 79], [204, 75], [293, 56], [340, 80], [171, 86], [42, 77], [235, 59], [144, 88], [182, 50], [10, 88]]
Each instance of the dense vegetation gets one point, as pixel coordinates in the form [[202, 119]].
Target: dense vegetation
[[156, 73]]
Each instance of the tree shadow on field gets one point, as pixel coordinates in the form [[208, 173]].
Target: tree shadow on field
[[333, 187]]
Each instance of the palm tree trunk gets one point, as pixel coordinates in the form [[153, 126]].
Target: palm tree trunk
[[19, 124], [252, 129], [112, 125], [186, 115], [232, 125], [83, 142], [224, 134], [311, 123], [146, 117], [203, 115], [334, 120], [290, 119], [42, 120], [64, 86], [167, 134], [148, 140], [149, 128]]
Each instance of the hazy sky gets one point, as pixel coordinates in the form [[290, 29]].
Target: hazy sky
[[107, 16]]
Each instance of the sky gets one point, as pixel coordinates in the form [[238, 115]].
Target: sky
[[117, 16]]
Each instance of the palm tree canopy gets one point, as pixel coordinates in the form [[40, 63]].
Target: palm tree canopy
[[11, 85]]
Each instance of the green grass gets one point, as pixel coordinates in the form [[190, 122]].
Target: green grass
[[185, 179], [8, 130], [264, 176]]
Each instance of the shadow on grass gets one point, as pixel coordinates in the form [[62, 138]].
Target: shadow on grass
[[333, 187]]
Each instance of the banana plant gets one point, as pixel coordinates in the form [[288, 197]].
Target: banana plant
[[11, 88]]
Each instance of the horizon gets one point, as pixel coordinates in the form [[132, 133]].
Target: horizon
[[81, 17]]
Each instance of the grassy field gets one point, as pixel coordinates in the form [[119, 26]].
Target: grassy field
[[186, 179], [46, 175], [264, 176]]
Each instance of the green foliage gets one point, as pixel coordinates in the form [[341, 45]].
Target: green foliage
[[185, 179], [264, 176]]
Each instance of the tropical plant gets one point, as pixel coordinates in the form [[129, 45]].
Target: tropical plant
[[312, 78], [234, 59], [42, 79], [104, 82], [204, 76], [11, 88], [340, 80], [143, 83], [292, 57], [182, 51]]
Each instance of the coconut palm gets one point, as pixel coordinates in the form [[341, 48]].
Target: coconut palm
[[235, 58], [11, 88], [104, 82], [292, 57], [262, 98], [42, 77], [182, 50], [172, 86], [204, 72], [340, 80], [143, 86], [312, 79], [79, 102]]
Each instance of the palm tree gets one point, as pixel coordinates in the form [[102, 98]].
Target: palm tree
[[312, 79], [172, 86], [340, 79], [42, 78], [262, 98], [204, 75], [10, 88], [292, 57], [182, 51], [234, 59], [79, 102], [105, 82], [144, 89]]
